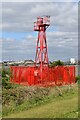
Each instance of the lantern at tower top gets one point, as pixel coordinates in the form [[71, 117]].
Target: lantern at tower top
[[42, 22]]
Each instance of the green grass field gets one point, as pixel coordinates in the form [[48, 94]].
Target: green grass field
[[61, 108], [65, 106], [39, 102]]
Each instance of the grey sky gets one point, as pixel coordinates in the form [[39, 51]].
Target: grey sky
[[62, 35]]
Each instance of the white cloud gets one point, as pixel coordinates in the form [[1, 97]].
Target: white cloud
[[20, 17], [61, 35], [39, 1], [60, 45]]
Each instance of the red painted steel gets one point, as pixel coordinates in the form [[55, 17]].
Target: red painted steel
[[41, 58], [41, 74], [30, 76]]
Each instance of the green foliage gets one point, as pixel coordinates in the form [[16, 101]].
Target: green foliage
[[13, 98], [78, 79], [6, 78], [5, 71], [56, 63], [22, 98], [58, 108], [15, 64]]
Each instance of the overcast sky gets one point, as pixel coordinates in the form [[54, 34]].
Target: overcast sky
[[19, 37]]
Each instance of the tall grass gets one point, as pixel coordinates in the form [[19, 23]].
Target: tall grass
[[24, 98]]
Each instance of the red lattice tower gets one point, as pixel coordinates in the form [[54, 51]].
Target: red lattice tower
[[41, 58], [41, 74]]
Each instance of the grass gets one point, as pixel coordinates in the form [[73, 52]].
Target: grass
[[35, 102], [61, 106]]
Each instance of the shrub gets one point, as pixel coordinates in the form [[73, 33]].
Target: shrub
[[56, 63], [6, 78], [78, 79]]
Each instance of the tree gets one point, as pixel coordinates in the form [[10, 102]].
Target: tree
[[56, 63]]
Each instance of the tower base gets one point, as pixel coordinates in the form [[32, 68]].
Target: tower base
[[30, 76]]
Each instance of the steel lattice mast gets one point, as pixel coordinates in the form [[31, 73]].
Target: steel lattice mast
[[41, 25], [41, 58]]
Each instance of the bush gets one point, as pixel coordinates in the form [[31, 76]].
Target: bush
[[6, 84], [5, 71], [56, 63], [6, 78], [78, 79]]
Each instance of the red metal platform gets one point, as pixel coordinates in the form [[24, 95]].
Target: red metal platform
[[30, 76]]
